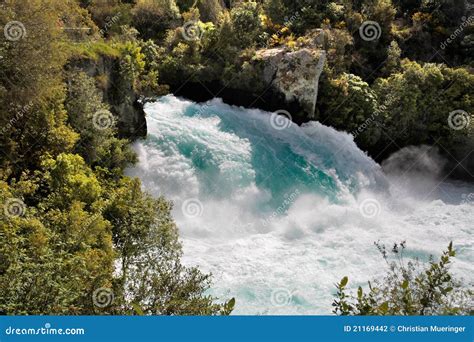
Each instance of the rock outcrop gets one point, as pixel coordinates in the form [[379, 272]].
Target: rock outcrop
[[124, 102], [273, 79], [294, 74]]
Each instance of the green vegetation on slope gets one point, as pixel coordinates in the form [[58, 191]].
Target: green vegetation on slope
[[76, 235]]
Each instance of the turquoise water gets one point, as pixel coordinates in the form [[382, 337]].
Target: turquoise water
[[279, 213]]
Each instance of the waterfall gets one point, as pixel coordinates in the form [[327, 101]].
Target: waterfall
[[279, 212]]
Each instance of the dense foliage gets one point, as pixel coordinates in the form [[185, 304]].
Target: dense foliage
[[76, 235], [73, 225]]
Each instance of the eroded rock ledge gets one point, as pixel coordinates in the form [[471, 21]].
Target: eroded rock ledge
[[273, 79]]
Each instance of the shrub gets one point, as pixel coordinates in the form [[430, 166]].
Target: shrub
[[153, 17], [408, 289], [246, 23], [418, 101], [151, 275], [347, 102]]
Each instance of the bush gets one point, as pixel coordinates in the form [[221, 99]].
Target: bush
[[32, 116], [57, 249], [348, 103], [246, 23], [209, 10], [408, 289], [110, 15], [73, 225], [151, 275], [418, 101], [276, 10], [153, 17]]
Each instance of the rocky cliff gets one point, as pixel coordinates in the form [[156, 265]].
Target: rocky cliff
[[272, 79], [124, 102], [294, 74]]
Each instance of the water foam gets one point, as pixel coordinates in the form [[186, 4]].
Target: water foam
[[280, 217]]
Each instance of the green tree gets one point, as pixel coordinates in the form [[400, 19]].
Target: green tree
[[151, 274], [84, 106], [276, 10], [32, 115], [348, 103], [68, 213], [209, 10], [110, 15], [153, 17], [372, 37], [246, 23], [54, 249], [393, 62], [418, 101]]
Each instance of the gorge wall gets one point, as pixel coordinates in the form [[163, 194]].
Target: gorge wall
[[274, 79], [123, 100]]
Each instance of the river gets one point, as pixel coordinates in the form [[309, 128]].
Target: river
[[279, 213]]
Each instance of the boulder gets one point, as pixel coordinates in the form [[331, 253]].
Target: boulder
[[293, 74]]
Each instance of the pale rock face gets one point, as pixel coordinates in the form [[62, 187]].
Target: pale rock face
[[270, 59], [295, 74]]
